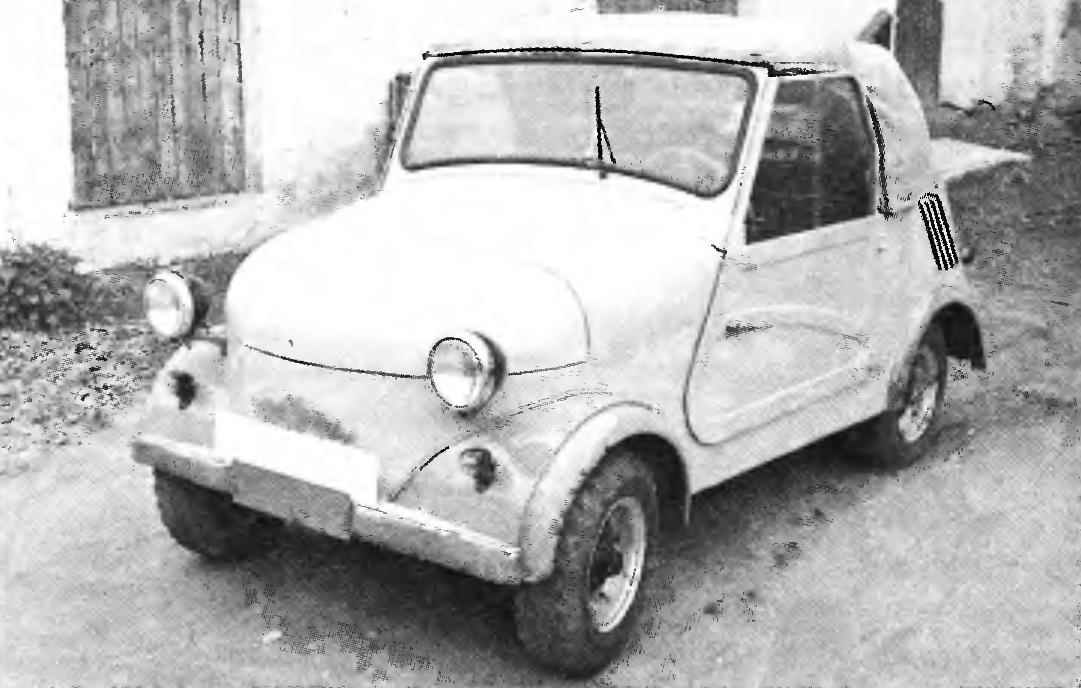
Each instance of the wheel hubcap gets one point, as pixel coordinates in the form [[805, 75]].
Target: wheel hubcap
[[615, 569], [922, 397]]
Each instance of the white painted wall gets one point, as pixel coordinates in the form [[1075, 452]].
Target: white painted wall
[[315, 76], [991, 48], [996, 48], [316, 71], [36, 177], [847, 17]]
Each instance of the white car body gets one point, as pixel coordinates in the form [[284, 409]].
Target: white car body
[[628, 312]]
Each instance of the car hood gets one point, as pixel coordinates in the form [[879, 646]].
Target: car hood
[[527, 263]]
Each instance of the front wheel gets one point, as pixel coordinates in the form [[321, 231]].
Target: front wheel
[[902, 434], [582, 616]]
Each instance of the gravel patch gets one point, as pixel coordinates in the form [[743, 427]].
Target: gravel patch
[[58, 388]]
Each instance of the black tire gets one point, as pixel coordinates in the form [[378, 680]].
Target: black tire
[[209, 523], [880, 442], [553, 617]]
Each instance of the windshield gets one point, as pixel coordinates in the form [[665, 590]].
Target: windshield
[[678, 125]]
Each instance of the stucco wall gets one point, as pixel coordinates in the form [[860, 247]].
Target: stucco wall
[[35, 127], [317, 72], [994, 49], [846, 17], [315, 76]]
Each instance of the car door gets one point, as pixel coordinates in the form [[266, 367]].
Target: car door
[[788, 324]]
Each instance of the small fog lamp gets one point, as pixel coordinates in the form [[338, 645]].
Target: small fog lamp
[[479, 465]]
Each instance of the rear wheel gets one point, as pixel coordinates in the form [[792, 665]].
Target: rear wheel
[[209, 523], [902, 434], [582, 616]]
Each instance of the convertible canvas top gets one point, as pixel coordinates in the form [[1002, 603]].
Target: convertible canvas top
[[781, 49]]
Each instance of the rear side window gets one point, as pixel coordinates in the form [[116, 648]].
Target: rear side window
[[817, 166]]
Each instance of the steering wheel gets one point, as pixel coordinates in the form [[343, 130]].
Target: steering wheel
[[685, 155]]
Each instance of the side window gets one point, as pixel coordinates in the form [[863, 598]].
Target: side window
[[817, 165]]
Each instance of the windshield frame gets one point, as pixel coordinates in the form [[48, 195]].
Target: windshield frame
[[649, 60]]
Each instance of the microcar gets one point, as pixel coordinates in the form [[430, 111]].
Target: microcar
[[611, 264]]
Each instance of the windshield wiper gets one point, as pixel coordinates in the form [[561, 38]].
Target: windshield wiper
[[602, 140]]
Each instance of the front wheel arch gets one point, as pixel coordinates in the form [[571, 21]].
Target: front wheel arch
[[634, 426]]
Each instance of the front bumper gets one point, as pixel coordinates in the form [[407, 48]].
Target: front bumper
[[408, 531]]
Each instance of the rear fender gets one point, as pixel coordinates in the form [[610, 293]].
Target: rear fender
[[960, 322]]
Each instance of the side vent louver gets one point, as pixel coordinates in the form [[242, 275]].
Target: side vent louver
[[938, 231]]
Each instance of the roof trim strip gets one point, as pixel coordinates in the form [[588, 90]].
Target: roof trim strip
[[773, 68]]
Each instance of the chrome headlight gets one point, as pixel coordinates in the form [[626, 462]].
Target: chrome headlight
[[465, 370], [173, 305]]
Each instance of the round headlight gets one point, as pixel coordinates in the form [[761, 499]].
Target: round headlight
[[170, 305], [464, 371]]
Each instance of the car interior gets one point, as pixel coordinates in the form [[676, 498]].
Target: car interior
[[816, 167]]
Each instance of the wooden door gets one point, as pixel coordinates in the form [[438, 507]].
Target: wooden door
[[156, 99], [919, 46]]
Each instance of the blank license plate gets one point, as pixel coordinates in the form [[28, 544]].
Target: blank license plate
[[317, 507], [294, 475]]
